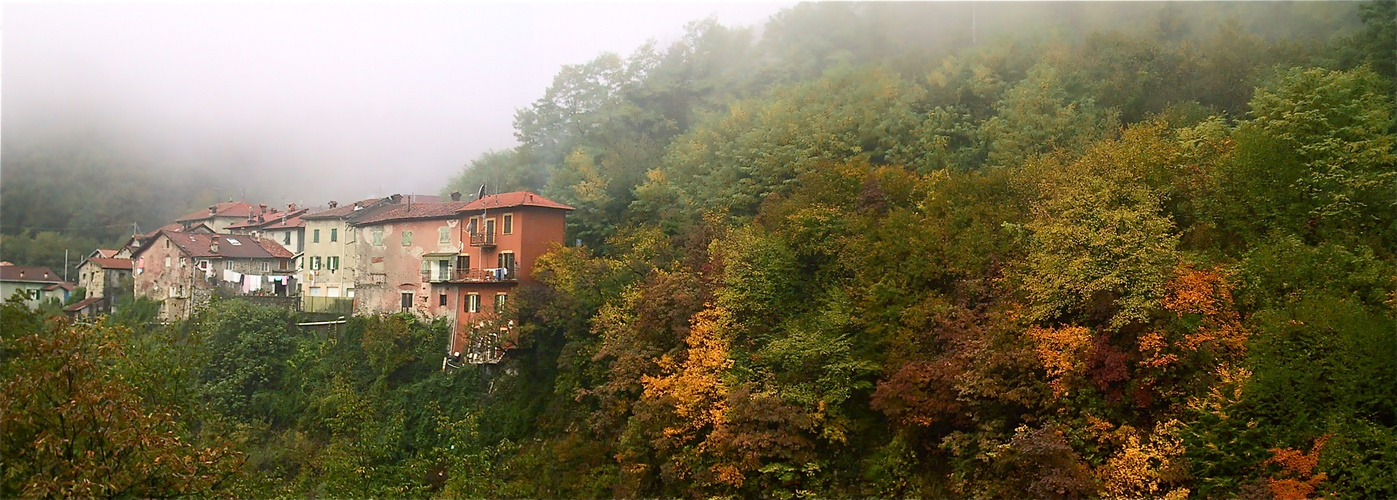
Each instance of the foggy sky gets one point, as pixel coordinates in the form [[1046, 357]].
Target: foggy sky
[[310, 102]]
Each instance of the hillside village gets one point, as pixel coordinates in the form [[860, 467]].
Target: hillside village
[[455, 259]]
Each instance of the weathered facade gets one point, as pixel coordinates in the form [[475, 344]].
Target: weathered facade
[[184, 270], [105, 278], [405, 256], [329, 262]]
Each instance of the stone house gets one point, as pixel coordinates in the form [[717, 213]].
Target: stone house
[[184, 270]]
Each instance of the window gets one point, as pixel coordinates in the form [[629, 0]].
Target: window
[[315, 236], [507, 260], [489, 226], [442, 299], [473, 303], [499, 303], [332, 263], [33, 294], [443, 269], [234, 242], [183, 262], [282, 264], [315, 263], [167, 261], [407, 238], [406, 300], [378, 236], [444, 234], [463, 262], [350, 235], [508, 223], [470, 228], [426, 267], [334, 234], [266, 266], [286, 238], [203, 265]]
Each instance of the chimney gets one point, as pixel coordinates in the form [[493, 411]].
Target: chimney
[[334, 203], [290, 207], [456, 196], [263, 207], [213, 209], [397, 198], [213, 247]]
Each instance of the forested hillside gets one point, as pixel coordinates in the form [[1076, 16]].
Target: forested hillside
[[1098, 250]]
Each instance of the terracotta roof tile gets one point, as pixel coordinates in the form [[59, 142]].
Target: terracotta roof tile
[[69, 286], [513, 199], [111, 263], [230, 246], [32, 274], [415, 210], [225, 209], [82, 304]]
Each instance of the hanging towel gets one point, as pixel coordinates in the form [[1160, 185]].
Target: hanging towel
[[232, 276], [255, 283]]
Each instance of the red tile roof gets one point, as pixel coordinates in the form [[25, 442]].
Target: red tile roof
[[31, 274], [69, 286], [111, 263], [275, 249], [292, 221], [200, 245], [83, 304], [415, 210], [345, 210], [225, 209], [514, 199], [269, 220]]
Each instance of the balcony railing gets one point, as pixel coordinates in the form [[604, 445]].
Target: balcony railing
[[488, 275], [483, 239], [439, 275]]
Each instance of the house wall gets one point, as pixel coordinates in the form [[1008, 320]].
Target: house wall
[[97, 280], [534, 228], [291, 239], [91, 277], [466, 320], [173, 284], [185, 285], [324, 282], [8, 288], [390, 269]]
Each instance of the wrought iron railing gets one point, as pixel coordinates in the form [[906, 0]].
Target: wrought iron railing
[[482, 239], [488, 275]]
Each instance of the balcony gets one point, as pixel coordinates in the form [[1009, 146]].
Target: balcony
[[483, 239], [439, 275], [487, 275]]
